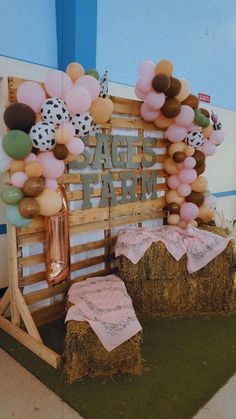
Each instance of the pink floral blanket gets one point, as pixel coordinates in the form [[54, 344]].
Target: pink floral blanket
[[200, 246], [105, 304]]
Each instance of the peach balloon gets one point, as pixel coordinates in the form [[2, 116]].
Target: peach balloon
[[162, 123], [74, 71], [172, 196], [50, 202], [181, 146], [170, 167], [17, 166], [184, 92], [64, 133], [206, 214], [101, 110], [34, 168], [189, 151], [70, 157], [194, 223], [173, 219], [200, 184], [207, 131], [165, 67]]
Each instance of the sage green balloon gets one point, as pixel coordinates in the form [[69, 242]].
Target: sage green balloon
[[17, 144], [12, 195], [200, 119], [93, 72]]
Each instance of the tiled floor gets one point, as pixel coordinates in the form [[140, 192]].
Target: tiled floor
[[222, 405], [22, 396]]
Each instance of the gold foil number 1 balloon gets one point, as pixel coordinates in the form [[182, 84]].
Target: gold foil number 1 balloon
[[57, 244]]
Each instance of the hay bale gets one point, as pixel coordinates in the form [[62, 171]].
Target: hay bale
[[160, 286], [84, 354]]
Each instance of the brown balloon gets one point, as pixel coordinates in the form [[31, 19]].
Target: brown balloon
[[200, 169], [171, 108], [60, 151], [29, 208], [175, 87], [178, 157], [19, 116], [205, 112], [196, 198], [34, 186], [191, 101], [57, 244], [173, 208], [161, 83], [200, 158]]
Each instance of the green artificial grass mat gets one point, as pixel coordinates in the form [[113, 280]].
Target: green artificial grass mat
[[188, 360]]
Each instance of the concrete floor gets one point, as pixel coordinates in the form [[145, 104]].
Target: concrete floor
[[23, 396]]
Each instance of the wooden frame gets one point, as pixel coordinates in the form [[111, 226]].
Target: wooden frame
[[89, 254]]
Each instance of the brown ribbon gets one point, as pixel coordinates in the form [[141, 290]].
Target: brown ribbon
[[57, 244]]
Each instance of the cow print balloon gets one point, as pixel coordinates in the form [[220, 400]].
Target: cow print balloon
[[54, 110], [83, 124], [195, 139], [43, 136], [217, 126]]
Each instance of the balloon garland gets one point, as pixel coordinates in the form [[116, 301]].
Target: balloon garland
[[46, 129], [194, 135]]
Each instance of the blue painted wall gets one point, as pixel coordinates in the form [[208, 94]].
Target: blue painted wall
[[28, 30], [198, 36]]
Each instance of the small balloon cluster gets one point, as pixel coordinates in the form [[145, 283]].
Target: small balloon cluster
[[44, 129], [194, 135]]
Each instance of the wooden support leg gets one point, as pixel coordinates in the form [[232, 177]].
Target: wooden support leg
[[5, 301], [26, 316]]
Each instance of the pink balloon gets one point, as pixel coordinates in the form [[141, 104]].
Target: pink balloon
[[189, 211], [75, 146], [155, 100], [175, 133], [208, 148], [182, 224], [52, 167], [140, 95], [189, 163], [146, 69], [18, 179], [148, 114], [51, 184], [217, 137], [89, 83], [173, 182], [144, 84], [210, 201], [30, 157], [32, 94], [78, 100], [194, 127], [186, 116], [187, 175], [58, 83], [184, 189]]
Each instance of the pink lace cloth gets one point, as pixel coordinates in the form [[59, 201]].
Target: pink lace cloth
[[105, 304], [200, 246]]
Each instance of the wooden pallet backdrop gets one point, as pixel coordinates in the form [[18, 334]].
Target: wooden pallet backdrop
[[93, 231]]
